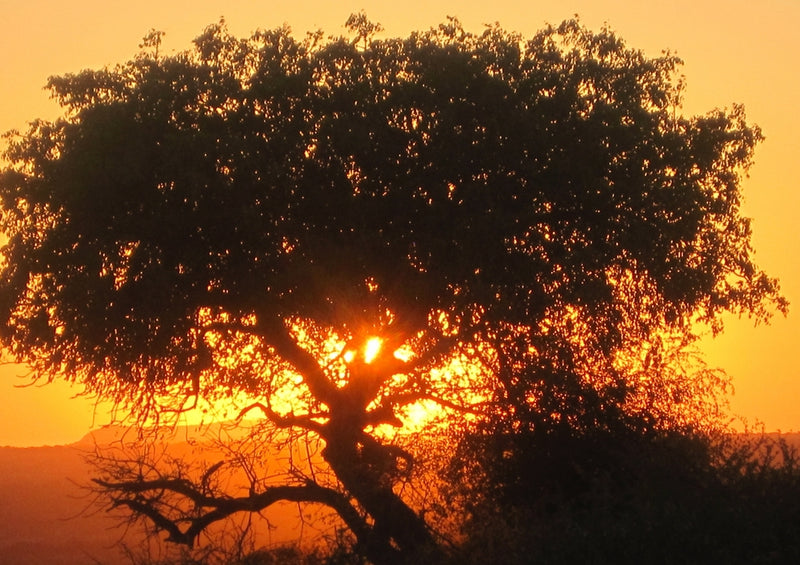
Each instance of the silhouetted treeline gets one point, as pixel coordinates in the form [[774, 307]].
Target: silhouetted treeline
[[663, 499]]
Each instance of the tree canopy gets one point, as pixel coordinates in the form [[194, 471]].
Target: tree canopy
[[242, 216]]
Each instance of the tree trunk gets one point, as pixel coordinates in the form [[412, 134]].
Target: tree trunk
[[399, 535]]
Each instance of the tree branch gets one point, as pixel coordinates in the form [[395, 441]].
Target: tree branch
[[277, 335], [305, 421], [404, 399], [129, 494]]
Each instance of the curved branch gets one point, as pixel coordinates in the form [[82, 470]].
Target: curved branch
[[276, 335], [404, 399], [129, 494], [442, 346], [305, 421]]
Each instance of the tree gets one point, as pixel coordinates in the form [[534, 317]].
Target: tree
[[244, 216]]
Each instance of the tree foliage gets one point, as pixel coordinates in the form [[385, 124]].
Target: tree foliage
[[240, 218]]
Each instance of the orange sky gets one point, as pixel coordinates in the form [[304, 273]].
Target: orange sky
[[735, 51]]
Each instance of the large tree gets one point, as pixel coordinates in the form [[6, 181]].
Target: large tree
[[242, 217]]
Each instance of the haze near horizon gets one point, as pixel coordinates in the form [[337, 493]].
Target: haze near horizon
[[734, 52]]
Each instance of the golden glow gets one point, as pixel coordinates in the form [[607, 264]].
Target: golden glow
[[404, 353], [372, 349]]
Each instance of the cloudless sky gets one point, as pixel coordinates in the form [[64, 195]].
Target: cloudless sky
[[736, 51]]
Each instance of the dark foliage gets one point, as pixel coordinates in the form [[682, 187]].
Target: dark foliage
[[616, 500]]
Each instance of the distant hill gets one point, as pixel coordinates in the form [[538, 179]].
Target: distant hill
[[42, 511], [46, 516]]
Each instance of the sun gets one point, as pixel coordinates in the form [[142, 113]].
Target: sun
[[371, 349]]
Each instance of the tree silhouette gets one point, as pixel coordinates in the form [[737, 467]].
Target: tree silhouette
[[243, 216]]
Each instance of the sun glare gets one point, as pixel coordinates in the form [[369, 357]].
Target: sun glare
[[371, 349]]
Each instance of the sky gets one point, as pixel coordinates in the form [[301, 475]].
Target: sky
[[735, 51]]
